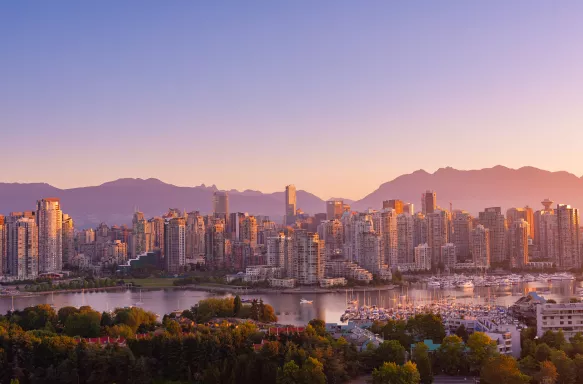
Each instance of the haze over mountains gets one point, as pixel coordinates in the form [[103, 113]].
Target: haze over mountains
[[115, 201]]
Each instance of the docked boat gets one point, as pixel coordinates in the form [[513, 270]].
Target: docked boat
[[304, 301]]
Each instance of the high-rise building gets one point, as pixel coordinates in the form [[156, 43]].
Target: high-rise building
[[423, 257], [334, 209], [290, 204], [308, 257], [448, 255], [546, 234], [438, 231], [419, 229], [568, 234], [195, 235], [280, 252], [409, 208], [140, 234], [493, 219], [462, 223], [397, 205], [68, 238], [518, 243], [526, 214], [3, 250], [390, 239], [49, 219], [221, 204], [249, 230], [480, 246], [215, 244], [405, 236], [370, 252], [175, 244], [332, 233], [22, 247], [428, 202]]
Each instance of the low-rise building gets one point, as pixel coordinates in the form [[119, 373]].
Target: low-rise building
[[282, 283], [329, 282], [258, 273], [552, 317]]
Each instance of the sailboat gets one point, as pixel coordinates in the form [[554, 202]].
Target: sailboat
[[140, 302], [52, 300]]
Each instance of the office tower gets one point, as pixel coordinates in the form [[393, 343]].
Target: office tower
[[234, 225], [334, 209], [530, 220], [140, 232], [68, 238], [419, 229], [249, 230], [423, 257], [438, 231], [215, 243], [22, 247], [546, 234], [449, 255], [370, 252], [290, 204], [308, 257], [518, 243], [3, 258], [195, 235], [397, 205], [493, 219], [526, 214], [156, 236], [460, 236], [175, 244], [265, 229], [409, 208], [49, 219], [221, 204], [405, 235], [568, 234], [279, 251], [428, 202], [480, 246], [388, 231]]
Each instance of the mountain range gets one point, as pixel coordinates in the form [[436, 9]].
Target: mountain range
[[114, 202]]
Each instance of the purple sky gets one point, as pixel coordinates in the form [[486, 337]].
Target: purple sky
[[336, 97]]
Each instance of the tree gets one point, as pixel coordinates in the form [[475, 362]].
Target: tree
[[480, 349], [289, 374], [502, 369], [421, 358], [237, 305], [391, 351], [462, 332], [426, 326], [551, 301], [106, 319], [578, 365], [85, 323], [391, 373], [172, 327], [548, 373], [565, 367], [554, 339], [542, 352], [450, 355], [64, 313]]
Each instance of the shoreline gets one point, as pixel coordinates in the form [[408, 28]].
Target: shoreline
[[77, 290]]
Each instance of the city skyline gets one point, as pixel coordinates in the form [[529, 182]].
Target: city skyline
[[327, 80]]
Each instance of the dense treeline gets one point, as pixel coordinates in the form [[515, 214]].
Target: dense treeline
[[41, 345], [50, 285]]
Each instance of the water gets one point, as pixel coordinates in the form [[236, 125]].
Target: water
[[326, 306]]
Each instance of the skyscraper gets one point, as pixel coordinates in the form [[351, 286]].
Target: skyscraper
[[448, 255], [3, 250], [249, 230], [409, 208], [195, 234], [423, 257], [480, 246], [334, 209], [419, 229], [221, 206], [397, 205], [390, 239], [438, 231], [518, 243], [22, 241], [308, 257], [568, 234], [526, 213], [68, 238], [49, 218], [215, 243], [290, 204], [140, 233], [546, 234], [370, 252], [460, 236], [428, 202], [175, 244], [493, 219], [279, 252], [332, 233], [405, 245]]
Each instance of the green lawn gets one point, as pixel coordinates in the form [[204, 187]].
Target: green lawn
[[152, 282]]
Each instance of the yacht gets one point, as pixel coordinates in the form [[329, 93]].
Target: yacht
[[434, 283], [466, 284], [304, 301]]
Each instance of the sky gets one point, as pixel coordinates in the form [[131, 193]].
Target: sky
[[335, 97]]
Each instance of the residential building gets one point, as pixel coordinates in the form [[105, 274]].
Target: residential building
[[249, 230], [493, 219], [221, 205], [390, 239], [370, 252], [280, 252], [462, 224], [448, 255], [175, 244], [568, 235], [546, 234], [419, 229], [3, 248], [438, 231], [290, 204], [518, 243], [331, 282], [308, 257], [567, 317], [332, 232], [409, 208], [423, 257], [156, 235], [526, 213], [68, 232], [22, 247], [480, 246], [140, 233], [397, 205], [49, 218], [195, 235], [405, 239], [215, 244]]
